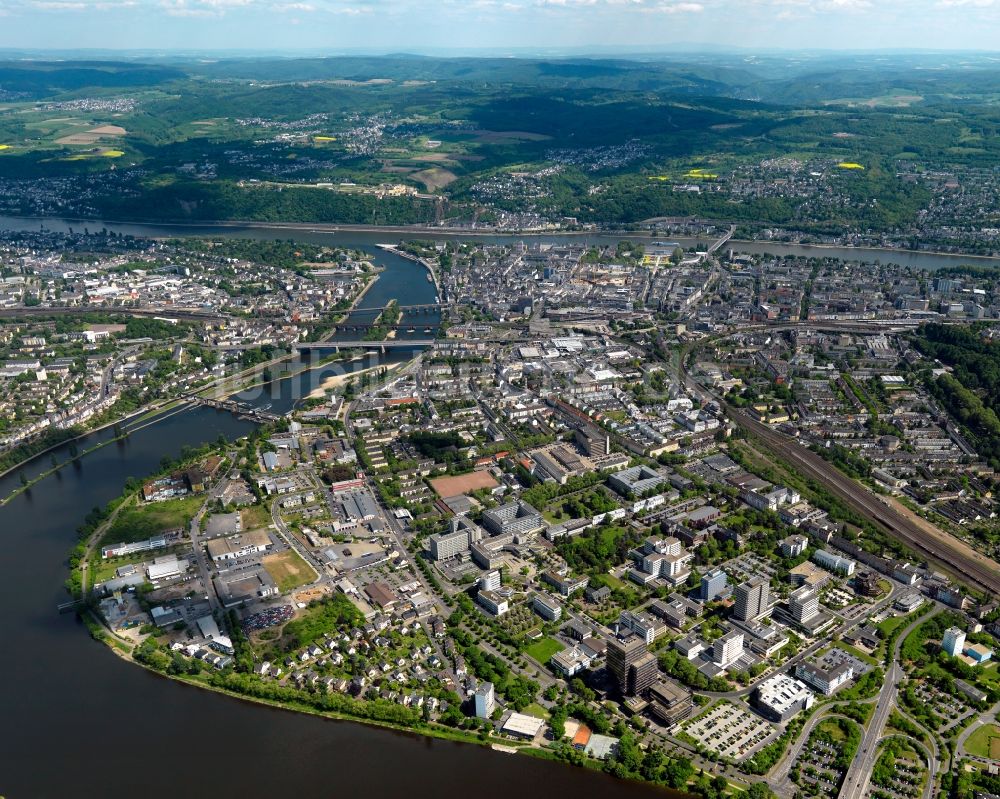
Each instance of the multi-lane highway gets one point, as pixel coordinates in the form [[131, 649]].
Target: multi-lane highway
[[859, 774]]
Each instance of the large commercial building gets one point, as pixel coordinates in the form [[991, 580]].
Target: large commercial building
[[490, 581], [523, 726], [633, 666], [166, 567], [515, 517], [670, 702], [713, 583], [793, 546], [565, 584], [636, 481], [595, 442], [642, 624], [833, 562], [868, 584], [239, 546], [826, 681], [459, 538], [118, 550], [238, 587], [570, 662], [727, 649], [546, 607], [753, 599], [359, 506], [781, 697], [803, 604], [663, 558], [495, 604]]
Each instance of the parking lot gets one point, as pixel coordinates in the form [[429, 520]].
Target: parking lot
[[900, 773], [731, 731], [817, 770], [747, 566], [950, 709], [271, 617]]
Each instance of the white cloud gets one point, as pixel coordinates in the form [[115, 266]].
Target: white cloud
[[679, 8], [79, 5], [182, 8]]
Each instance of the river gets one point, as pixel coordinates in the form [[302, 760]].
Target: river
[[366, 239], [402, 280], [79, 721]]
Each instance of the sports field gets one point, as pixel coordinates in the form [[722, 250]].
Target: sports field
[[288, 570], [462, 483]]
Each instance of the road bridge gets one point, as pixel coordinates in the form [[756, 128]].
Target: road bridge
[[361, 326], [350, 344], [427, 307], [722, 240]]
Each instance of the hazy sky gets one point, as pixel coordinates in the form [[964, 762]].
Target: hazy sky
[[423, 25]]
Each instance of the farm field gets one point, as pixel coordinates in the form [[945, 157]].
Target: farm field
[[444, 141]]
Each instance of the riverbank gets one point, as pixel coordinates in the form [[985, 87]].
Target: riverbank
[[336, 381], [863, 248], [124, 649], [434, 232], [150, 411], [339, 357], [428, 265], [323, 227], [428, 731]]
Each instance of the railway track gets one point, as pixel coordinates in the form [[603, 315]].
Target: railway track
[[939, 546], [968, 564]]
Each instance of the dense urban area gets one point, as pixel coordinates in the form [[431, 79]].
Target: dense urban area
[[708, 519], [643, 485]]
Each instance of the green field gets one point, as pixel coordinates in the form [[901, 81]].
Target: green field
[[536, 710], [892, 623], [289, 570], [543, 649], [255, 516], [832, 729], [980, 743], [149, 519], [103, 570]]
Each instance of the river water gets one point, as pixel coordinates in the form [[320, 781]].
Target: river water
[[75, 720], [402, 280], [78, 721], [367, 240]]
